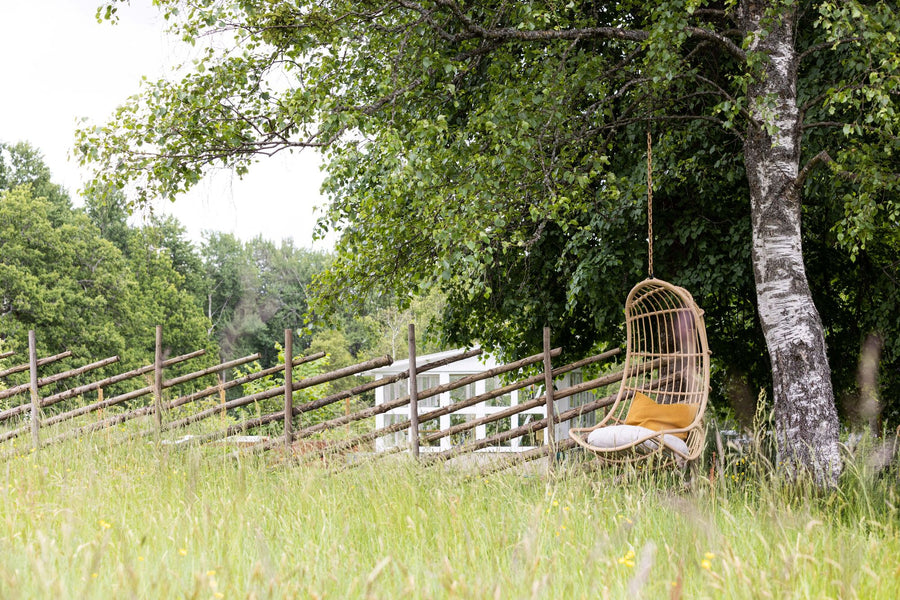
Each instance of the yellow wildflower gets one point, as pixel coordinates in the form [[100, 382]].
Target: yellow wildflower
[[628, 559]]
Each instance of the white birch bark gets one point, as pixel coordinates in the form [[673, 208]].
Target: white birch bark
[[806, 424]]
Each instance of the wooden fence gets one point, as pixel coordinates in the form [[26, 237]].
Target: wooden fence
[[323, 440]]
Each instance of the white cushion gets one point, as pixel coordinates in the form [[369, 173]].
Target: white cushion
[[619, 435]]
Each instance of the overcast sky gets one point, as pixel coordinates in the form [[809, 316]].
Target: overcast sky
[[59, 65]]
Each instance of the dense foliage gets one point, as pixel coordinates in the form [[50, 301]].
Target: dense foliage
[[496, 151]]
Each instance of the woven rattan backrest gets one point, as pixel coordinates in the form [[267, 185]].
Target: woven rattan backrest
[[667, 354]]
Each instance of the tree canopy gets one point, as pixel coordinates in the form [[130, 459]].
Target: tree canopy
[[497, 150]]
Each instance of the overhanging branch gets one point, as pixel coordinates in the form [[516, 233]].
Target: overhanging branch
[[510, 34]]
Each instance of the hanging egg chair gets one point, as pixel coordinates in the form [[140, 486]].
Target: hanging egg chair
[[661, 402]]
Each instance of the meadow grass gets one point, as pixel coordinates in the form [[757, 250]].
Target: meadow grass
[[90, 519]]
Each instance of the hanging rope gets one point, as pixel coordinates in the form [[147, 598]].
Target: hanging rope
[[650, 204]]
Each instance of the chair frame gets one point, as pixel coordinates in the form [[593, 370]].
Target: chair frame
[[667, 358]]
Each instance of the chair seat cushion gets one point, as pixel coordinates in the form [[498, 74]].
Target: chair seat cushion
[[621, 435], [645, 412]]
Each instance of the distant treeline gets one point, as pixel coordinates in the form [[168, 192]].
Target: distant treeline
[[90, 282]]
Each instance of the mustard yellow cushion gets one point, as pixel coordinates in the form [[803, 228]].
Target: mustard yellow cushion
[[644, 412]]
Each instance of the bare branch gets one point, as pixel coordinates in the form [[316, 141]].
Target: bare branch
[[824, 46], [821, 157], [724, 93], [712, 36]]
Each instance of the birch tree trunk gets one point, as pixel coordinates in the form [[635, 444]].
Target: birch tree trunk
[[806, 424]]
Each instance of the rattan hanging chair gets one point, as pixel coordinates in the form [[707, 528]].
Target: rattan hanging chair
[[658, 411]]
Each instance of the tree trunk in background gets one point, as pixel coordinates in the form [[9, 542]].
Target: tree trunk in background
[[806, 424]]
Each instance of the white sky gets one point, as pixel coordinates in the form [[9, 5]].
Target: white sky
[[59, 65]]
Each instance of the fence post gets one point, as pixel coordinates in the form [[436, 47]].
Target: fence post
[[221, 380], [548, 395], [35, 398], [413, 395], [288, 390], [158, 380]]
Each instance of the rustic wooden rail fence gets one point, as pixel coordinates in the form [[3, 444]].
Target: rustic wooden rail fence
[[431, 415], [159, 408]]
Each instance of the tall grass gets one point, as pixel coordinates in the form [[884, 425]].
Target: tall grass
[[92, 520]]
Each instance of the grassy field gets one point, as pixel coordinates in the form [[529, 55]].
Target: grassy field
[[89, 520]]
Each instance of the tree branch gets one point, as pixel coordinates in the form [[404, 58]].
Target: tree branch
[[824, 158], [724, 93], [825, 45], [866, 128], [473, 29], [821, 157], [818, 98], [712, 36]]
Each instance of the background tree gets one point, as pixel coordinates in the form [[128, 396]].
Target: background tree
[[78, 290], [109, 210], [255, 290], [22, 163], [65, 281], [496, 148], [166, 297]]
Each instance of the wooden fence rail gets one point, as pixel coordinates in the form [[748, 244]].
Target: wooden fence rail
[[96, 385], [89, 387], [106, 403], [404, 400], [243, 380], [159, 384], [526, 429], [40, 362], [424, 394], [517, 409], [531, 404], [45, 381]]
